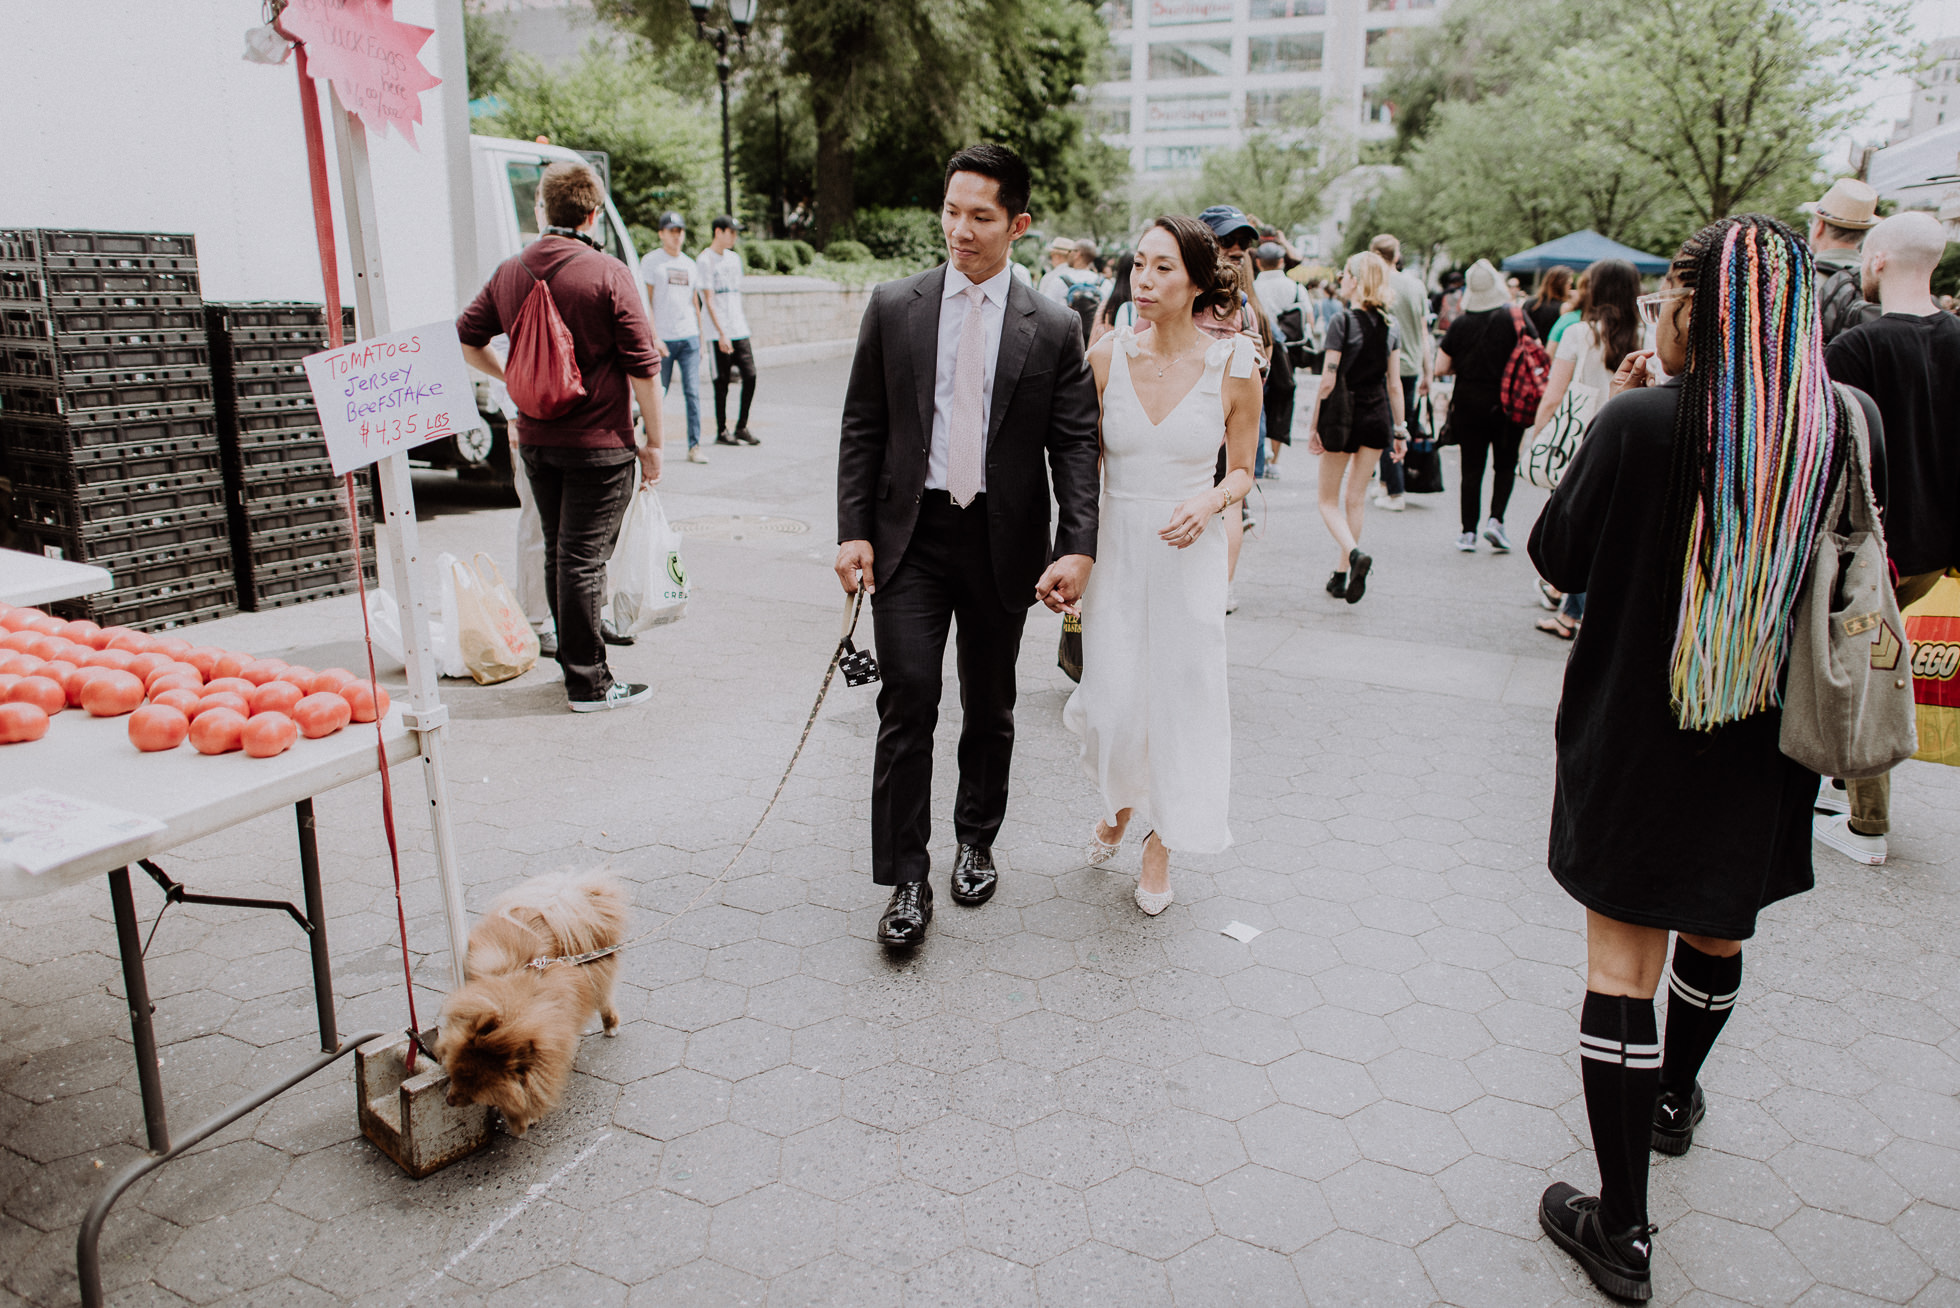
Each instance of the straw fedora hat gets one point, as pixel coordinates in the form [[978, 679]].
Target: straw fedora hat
[[1849, 203], [1483, 288]]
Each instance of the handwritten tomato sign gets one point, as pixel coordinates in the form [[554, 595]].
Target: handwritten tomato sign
[[373, 60], [380, 396]]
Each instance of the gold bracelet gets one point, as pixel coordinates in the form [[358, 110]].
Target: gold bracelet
[[1227, 497]]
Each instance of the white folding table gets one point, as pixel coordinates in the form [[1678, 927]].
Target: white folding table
[[33, 579], [193, 795]]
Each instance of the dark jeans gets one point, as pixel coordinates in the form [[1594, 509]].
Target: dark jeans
[[947, 574], [740, 358], [580, 504], [1479, 435], [1392, 482]]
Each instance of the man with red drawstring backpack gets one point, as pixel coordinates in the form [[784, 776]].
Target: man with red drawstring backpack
[[580, 343]]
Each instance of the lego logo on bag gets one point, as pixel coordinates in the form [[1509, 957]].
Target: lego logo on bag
[[1935, 662]]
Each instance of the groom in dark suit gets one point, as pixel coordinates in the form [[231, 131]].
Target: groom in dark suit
[[965, 381]]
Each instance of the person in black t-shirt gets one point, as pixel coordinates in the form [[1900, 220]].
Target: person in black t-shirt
[[1908, 361], [1475, 349]]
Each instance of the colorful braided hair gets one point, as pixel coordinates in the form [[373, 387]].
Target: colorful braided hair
[[1758, 436]]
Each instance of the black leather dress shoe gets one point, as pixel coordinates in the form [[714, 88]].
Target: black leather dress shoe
[[907, 916], [974, 877]]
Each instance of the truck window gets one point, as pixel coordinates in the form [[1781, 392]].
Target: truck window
[[524, 195]]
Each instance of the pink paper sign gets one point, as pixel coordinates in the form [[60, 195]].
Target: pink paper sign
[[371, 59]]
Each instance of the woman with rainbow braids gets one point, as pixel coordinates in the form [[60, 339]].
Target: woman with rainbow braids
[[1687, 517]]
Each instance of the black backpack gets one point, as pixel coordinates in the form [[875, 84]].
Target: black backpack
[[1841, 303]]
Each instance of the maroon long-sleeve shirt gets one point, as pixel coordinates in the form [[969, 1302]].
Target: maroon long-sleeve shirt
[[600, 302]]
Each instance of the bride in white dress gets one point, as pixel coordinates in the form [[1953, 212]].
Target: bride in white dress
[[1152, 709]]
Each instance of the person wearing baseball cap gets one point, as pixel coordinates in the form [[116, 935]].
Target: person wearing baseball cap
[[673, 282], [1233, 229], [1838, 224]]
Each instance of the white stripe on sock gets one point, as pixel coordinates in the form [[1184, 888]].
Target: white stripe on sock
[[1599, 1042], [1600, 1055], [1647, 1060], [1682, 990]]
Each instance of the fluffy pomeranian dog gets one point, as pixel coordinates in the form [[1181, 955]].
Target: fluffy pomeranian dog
[[508, 1036]]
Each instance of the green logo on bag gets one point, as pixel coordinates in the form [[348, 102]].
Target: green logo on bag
[[674, 569]]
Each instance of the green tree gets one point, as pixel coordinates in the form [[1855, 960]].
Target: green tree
[[487, 42], [1281, 177], [665, 151]]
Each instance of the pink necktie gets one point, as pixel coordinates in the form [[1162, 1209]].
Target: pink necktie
[[969, 435]]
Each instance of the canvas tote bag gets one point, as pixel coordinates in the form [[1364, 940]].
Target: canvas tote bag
[[1848, 697]]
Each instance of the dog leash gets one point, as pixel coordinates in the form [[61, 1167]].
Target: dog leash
[[860, 669]]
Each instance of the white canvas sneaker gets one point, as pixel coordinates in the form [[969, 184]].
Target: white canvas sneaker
[[1835, 830], [1467, 542], [1832, 797]]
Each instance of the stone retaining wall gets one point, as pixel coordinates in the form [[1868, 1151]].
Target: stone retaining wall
[[786, 311]]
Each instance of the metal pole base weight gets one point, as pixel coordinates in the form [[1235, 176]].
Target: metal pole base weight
[[408, 1117]]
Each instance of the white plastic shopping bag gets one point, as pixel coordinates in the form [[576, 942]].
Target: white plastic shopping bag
[[497, 641], [444, 628], [646, 581], [385, 623]]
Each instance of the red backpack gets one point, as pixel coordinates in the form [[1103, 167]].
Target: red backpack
[[542, 371], [1523, 382]]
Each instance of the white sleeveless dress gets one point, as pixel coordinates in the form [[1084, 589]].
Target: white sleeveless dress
[[1152, 710]]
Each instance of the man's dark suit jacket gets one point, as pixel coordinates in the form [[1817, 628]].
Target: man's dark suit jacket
[[1044, 403]]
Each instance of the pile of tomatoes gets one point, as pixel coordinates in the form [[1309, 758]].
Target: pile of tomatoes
[[172, 691]]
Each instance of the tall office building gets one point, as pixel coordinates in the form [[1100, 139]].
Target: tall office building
[[1936, 90], [1189, 76]]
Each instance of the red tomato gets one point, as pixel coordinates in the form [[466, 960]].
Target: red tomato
[[222, 699], [7, 680], [268, 734], [21, 665], [202, 657], [18, 641], [237, 685], [276, 697], [156, 727], [74, 681], [73, 653], [17, 619], [133, 641], [168, 680], [58, 671], [101, 639], [228, 663], [147, 664], [260, 671], [218, 731], [175, 646], [79, 631], [299, 676], [322, 714], [46, 647], [333, 679], [184, 701], [110, 694], [47, 624], [21, 722], [44, 694], [119, 659], [363, 701]]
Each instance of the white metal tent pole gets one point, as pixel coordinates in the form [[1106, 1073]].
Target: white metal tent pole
[[425, 714]]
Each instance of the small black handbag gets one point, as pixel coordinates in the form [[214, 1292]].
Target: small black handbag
[[1068, 656], [857, 665]]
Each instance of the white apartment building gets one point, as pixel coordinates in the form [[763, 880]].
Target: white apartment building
[[1189, 76], [1936, 91]]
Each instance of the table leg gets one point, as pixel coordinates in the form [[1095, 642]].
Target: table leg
[[136, 985], [316, 912]]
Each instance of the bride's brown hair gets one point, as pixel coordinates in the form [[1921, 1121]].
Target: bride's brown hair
[[1204, 263]]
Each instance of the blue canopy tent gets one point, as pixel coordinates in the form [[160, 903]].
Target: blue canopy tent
[[1577, 250]]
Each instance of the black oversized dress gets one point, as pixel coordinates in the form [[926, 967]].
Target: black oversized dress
[[1652, 825]]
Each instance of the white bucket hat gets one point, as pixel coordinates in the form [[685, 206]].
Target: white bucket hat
[[1483, 288]]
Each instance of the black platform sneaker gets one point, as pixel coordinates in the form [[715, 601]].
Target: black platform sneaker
[[1675, 1118], [1619, 1263]]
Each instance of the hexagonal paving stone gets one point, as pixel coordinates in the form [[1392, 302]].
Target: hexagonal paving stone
[[1075, 1150], [1148, 1214], [1026, 1219], [1190, 1146], [786, 1100], [1273, 1209], [768, 1231], [956, 1154]]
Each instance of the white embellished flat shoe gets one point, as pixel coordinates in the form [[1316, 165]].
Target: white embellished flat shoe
[[1154, 904], [1101, 851]]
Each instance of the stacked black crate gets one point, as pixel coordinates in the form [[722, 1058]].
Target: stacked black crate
[[291, 537], [108, 426]]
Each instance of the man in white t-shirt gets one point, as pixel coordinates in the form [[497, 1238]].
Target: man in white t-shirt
[[672, 281], [721, 297], [1055, 282]]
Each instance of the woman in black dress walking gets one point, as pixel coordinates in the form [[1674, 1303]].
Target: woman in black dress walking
[[1687, 518]]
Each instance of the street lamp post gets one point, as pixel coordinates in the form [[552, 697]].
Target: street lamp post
[[741, 14]]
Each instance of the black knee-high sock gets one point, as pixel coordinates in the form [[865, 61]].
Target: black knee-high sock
[[1619, 1064], [1703, 989]]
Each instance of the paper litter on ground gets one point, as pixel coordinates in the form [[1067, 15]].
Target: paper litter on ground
[[1240, 932]]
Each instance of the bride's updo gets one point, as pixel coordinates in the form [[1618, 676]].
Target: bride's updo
[[1216, 280]]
